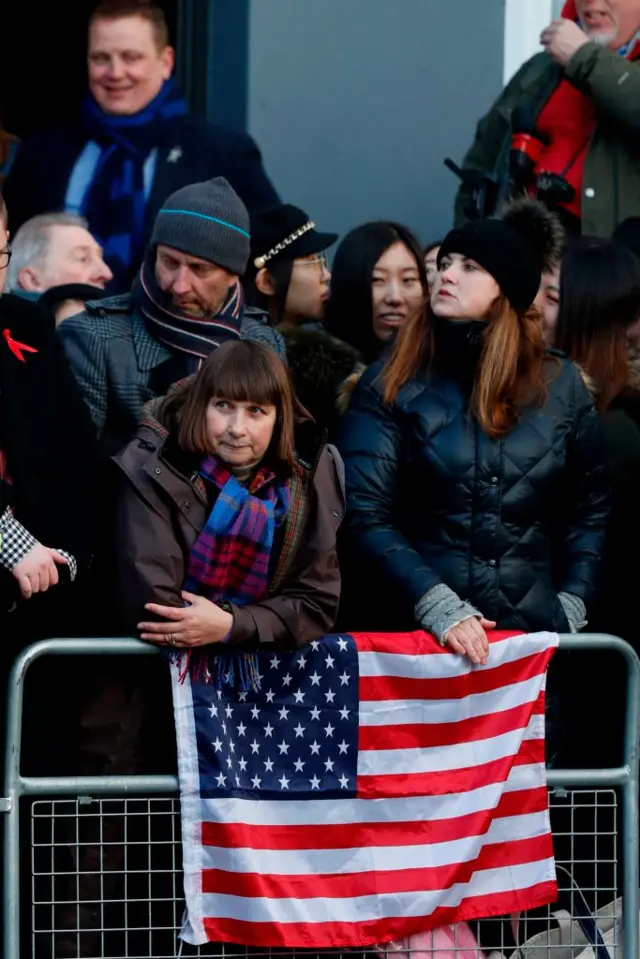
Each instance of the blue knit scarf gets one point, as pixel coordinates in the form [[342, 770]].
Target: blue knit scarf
[[115, 202]]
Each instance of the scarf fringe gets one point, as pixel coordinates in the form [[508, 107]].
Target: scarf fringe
[[236, 670]]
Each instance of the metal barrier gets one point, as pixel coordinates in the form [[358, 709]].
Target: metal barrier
[[572, 792]]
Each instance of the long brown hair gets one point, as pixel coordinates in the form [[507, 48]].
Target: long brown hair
[[510, 372], [242, 372]]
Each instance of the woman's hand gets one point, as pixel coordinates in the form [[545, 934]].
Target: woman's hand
[[200, 623], [37, 572], [469, 639]]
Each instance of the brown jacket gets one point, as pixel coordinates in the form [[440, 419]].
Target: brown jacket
[[162, 508]]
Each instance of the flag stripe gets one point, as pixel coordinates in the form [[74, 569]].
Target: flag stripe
[[377, 713], [473, 729], [296, 862], [364, 908], [344, 836], [325, 935], [419, 643], [344, 886], [452, 687]]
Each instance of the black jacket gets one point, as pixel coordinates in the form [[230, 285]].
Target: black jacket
[[47, 435], [193, 150], [506, 524]]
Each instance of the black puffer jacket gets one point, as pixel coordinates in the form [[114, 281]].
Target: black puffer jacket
[[507, 524]]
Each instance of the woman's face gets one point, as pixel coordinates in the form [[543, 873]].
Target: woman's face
[[308, 289], [431, 266], [548, 304], [397, 291], [239, 433], [463, 290]]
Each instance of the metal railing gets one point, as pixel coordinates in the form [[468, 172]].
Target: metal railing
[[17, 786]]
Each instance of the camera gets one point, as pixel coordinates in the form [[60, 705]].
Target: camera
[[553, 190]]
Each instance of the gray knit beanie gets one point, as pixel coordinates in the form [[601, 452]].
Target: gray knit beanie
[[208, 220]]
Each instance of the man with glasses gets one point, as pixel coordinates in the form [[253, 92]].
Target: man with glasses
[[46, 466], [185, 301]]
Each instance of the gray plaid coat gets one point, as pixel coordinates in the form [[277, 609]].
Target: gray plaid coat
[[119, 365]]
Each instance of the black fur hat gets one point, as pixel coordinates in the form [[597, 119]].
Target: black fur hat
[[515, 248]]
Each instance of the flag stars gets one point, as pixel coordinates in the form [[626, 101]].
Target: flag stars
[[315, 645], [268, 765], [344, 713], [268, 730], [284, 748], [315, 748], [213, 710], [329, 695], [255, 782], [270, 696], [229, 762], [286, 679], [275, 662], [243, 765], [284, 782], [315, 783], [328, 765], [217, 745], [315, 679], [299, 696], [298, 765], [255, 712], [344, 679], [302, 662], [342, 645], [221, 779], [315, 713], [284, 713], [329, 730], [241, 729], [299, 730], [329, 661], [228, 711], [242, 696], [343, 747], [344, 782], [255, 747]]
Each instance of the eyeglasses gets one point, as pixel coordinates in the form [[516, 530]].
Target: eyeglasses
[[5, 256], [319, 260]]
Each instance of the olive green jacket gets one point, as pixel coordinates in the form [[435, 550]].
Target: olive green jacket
[[611, 184]]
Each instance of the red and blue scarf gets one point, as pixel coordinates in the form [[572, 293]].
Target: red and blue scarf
[[231, 558]]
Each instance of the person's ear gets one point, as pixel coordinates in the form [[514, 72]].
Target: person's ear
[[168, 58], [29, 281], [264, 282]]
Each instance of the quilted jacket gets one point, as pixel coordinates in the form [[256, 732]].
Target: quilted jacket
[[507, 524]]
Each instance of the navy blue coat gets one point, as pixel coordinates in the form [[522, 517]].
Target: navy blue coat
[[193, 150], [431, 498]]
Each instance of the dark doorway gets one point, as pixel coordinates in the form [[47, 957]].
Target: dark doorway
[[43, 61]]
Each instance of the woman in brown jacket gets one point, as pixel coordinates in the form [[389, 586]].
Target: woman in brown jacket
[[228, 515]]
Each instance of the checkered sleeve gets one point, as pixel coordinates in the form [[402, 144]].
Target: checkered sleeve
[[16, 542]]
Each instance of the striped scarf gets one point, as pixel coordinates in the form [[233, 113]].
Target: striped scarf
[[230, 560], [193, 337]]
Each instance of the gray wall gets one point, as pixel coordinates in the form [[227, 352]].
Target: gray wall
[[355, 103]]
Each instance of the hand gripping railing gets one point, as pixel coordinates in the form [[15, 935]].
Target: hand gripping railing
[[16, 786]]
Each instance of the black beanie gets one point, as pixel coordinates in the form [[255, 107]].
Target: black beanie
[[516, 248]]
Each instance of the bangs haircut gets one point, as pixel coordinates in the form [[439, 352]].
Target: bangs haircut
[[243, 372]]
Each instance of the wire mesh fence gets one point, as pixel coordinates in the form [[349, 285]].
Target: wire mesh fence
[[106, 881]]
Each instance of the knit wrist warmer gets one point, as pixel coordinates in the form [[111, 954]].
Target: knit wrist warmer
[[440, 609], [574, 610]]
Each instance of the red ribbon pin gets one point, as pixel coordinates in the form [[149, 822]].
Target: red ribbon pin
[[16, 347]]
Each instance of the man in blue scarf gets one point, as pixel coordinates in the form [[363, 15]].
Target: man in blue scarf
[[135, 145]]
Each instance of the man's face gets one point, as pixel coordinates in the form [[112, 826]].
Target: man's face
[[609, 22], [73, 256], [197, 287], [126, 68]]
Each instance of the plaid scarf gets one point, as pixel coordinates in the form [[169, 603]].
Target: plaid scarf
[[115, 202], [231, 557], [195, 338]]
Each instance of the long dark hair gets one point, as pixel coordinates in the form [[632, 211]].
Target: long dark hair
[[349, 313], [599, 300], [280, 271]]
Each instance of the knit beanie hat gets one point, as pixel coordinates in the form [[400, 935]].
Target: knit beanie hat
[[516, 248], [207, 220]]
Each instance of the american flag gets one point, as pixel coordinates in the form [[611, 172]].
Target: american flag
[[375, 787]]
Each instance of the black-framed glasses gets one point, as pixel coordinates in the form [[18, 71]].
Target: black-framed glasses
[[5, 256]]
